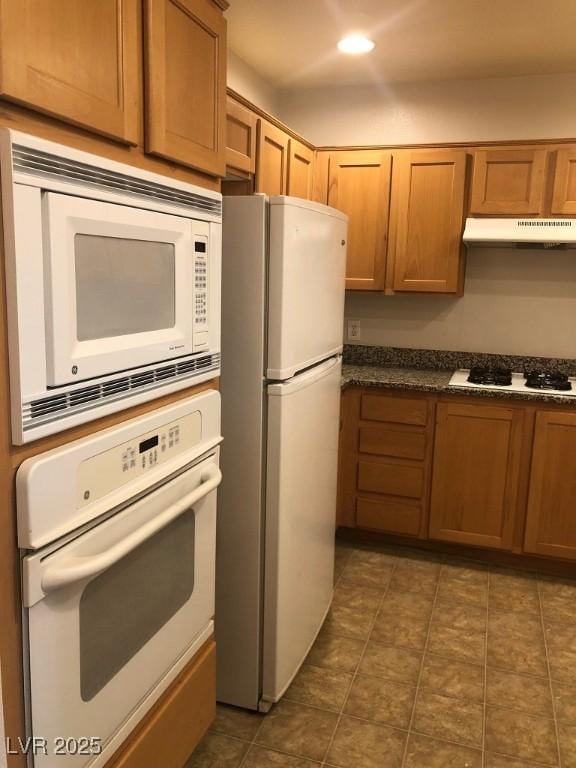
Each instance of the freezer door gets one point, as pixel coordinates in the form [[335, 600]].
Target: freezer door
[[306, 285], [303, 426]]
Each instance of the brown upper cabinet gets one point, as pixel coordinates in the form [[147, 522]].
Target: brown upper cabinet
[[300, 170], [476, 474], [76, 61], [509, 182], [564, 191], [185, 76], [241, 127], [427, 219], [359, 185], [272, 159], [551, 522]]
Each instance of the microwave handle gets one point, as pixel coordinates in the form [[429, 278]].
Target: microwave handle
[[73, 569]]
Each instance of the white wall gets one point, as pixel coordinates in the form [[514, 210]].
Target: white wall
[[515, 302], [412, 113], [248, 83]]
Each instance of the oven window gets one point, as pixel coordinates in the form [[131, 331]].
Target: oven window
[[123, 608], [123, 286]]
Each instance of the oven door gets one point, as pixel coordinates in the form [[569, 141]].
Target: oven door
[[119, 287], [115, 614]]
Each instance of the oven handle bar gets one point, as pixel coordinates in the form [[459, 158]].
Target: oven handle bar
[[73, 569]]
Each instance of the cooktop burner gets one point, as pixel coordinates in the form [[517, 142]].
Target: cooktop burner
[[501, 377], [548, 380], [531, 382]]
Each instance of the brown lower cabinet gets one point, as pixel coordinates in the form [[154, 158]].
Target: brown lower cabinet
[[385, 460], [495, 474], [477, 456], [551, 518]]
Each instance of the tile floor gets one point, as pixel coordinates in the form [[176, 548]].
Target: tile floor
[[424, 662]]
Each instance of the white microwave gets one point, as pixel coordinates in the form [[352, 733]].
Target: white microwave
[[113, 284]]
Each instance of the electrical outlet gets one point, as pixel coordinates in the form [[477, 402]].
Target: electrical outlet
[[353, 330]]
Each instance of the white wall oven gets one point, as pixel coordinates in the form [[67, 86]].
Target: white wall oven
[[118, 539], [113, 284]]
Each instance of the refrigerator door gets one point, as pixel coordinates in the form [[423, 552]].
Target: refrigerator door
[[307, 263], [303, 426]]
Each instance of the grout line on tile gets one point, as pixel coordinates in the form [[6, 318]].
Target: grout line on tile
[[355, 672], [419, 680], [549, 668], [486, 672]]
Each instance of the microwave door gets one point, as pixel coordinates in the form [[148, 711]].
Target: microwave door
[[119, 287]]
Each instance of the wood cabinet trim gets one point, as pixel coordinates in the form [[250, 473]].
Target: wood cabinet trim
[[170, 732], [270, 118]]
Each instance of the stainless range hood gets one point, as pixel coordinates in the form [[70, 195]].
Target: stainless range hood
[[544, 234]]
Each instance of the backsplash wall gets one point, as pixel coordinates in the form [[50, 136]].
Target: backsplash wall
[[514, 303]]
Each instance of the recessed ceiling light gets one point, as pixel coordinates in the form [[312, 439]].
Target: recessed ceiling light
[[356, 44]]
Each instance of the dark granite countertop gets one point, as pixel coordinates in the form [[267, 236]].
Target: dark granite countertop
[[433, 380]]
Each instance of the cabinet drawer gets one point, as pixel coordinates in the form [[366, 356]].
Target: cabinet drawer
[[388, 515], [381, 440], [393, 479], [397, 410]]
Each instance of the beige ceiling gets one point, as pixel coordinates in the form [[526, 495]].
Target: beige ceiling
[[293, 42]]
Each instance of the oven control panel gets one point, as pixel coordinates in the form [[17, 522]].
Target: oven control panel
[[107, 471]]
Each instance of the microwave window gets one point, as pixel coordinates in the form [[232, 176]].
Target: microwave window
[[123, 286]]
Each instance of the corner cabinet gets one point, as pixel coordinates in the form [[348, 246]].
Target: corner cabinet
[[509, 182], [359, 185], [551, 521], [185, 74], [427, 220], [79, 62]]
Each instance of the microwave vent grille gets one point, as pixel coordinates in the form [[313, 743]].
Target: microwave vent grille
[[47, 165], [48, 409]]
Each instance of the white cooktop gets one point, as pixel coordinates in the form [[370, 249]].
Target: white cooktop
[[460, 379]]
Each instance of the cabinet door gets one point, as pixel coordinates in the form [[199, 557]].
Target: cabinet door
[[508, 182], [241, 125], [476, 474], [428, 219], [300, 170], [564, 192], [551, 521], [359, 185], [77, 61], [272, 159], [186, 83]]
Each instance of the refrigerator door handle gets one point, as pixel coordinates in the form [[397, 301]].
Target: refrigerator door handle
[[301, 380]]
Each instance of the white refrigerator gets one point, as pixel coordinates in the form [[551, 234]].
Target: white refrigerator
[[282, 324]]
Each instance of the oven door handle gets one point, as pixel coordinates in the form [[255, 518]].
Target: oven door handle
[[69, 570]]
